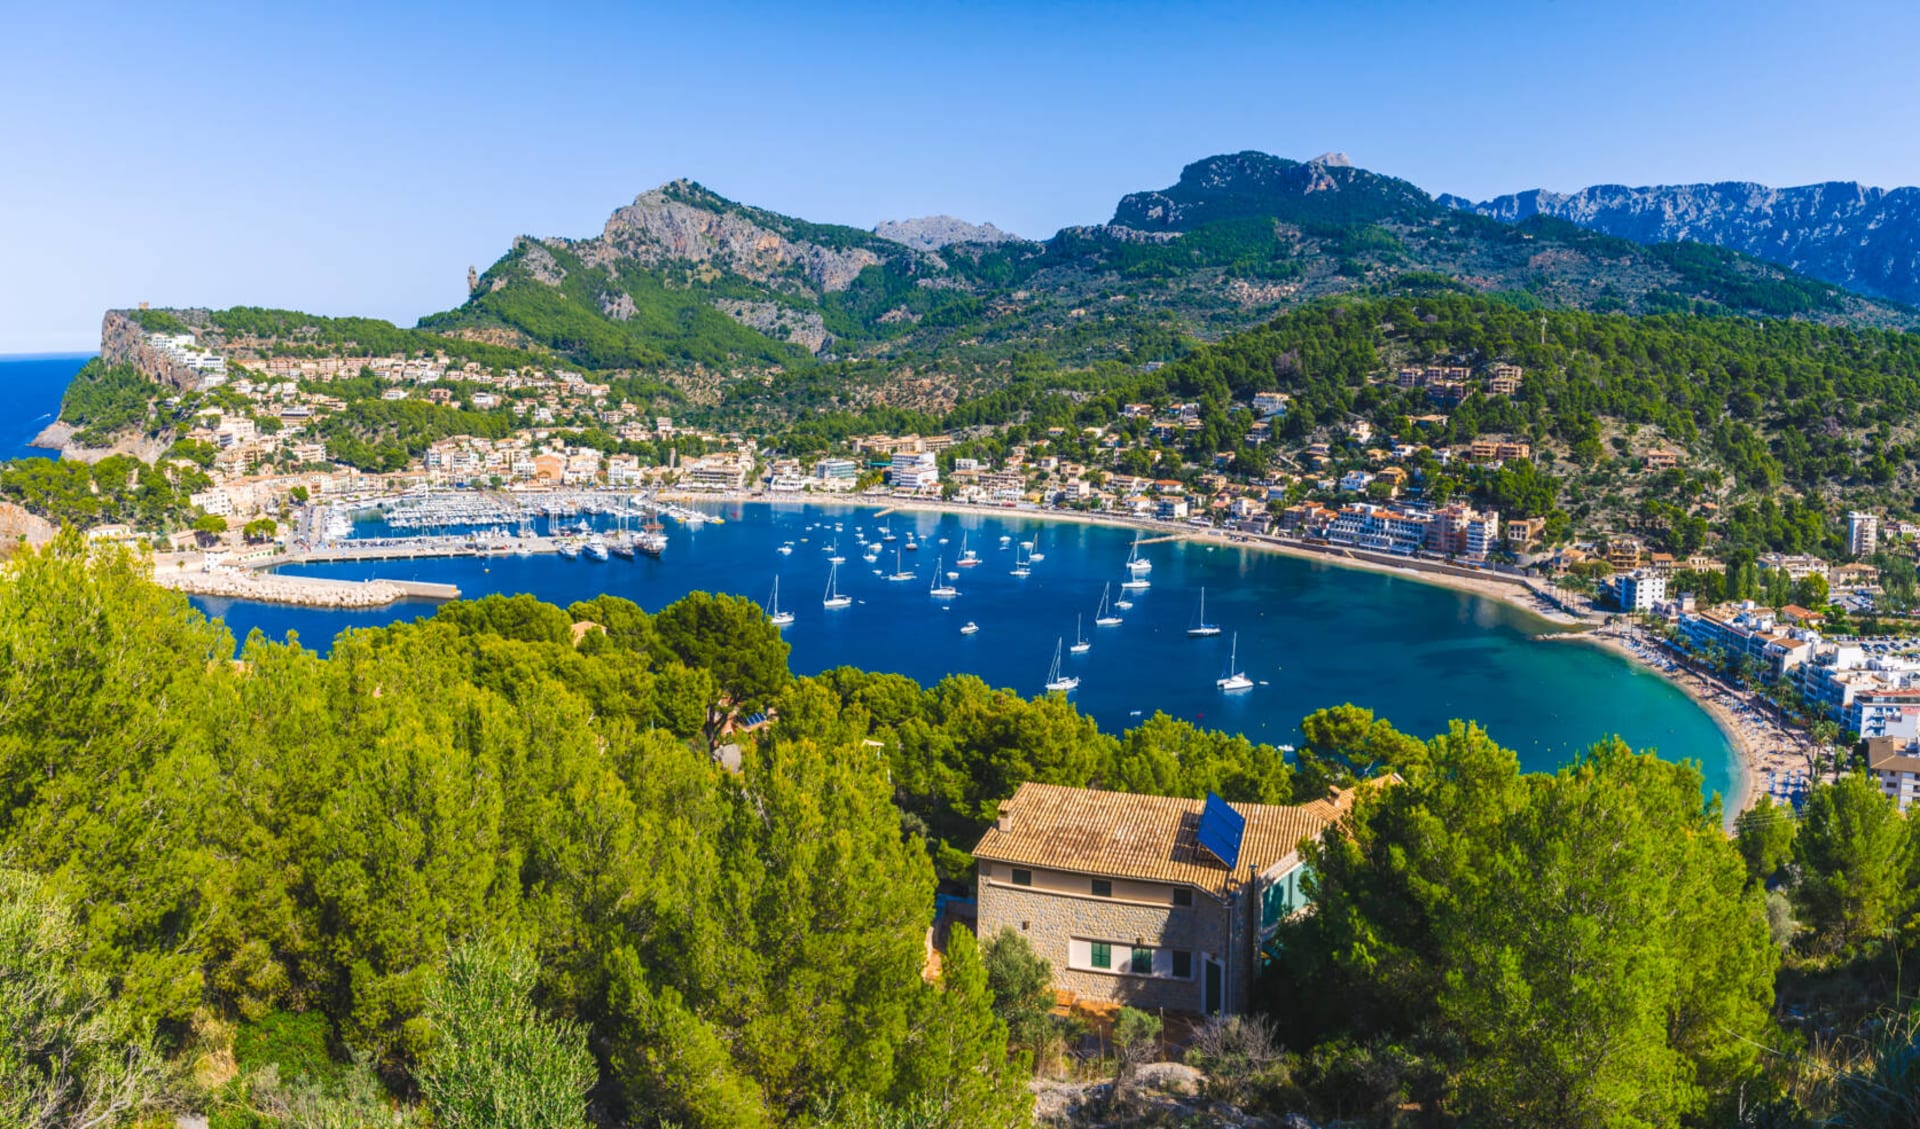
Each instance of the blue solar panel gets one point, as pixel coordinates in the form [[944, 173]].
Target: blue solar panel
[[1221, 829]]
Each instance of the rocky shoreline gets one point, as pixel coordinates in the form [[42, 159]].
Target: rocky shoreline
[[58, 437]]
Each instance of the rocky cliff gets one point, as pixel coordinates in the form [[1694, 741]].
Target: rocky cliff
[[930, 233], [124, 342], [1865, 239], [683, 222]]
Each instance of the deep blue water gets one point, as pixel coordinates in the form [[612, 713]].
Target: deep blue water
[[30, 391], [1312, 634]]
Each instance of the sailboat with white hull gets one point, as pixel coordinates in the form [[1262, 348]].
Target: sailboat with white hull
[[1235, 679], [1080, 644], [942, 589], [1105, 616], [1057, 682], [1201, 627], [774, 615], [834, 598]]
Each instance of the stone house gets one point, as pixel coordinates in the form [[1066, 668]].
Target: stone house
[[1147, 901]]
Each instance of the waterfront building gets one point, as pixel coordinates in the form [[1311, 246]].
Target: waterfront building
[[1385, 529], [913, 471], [1894, 762], [1863, 534], [1639, 590], [1148, 901], [1459, 530], [840, 473], [1749, 633], [623, 470], [717, 472]]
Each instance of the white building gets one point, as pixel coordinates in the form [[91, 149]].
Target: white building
[[1639, 590], [1863, 534], [914, 471]]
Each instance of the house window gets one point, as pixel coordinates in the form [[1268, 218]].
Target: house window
[[1102, 889], [1022, 877], [1142, 962], [1182, 896], [1182, 964], [1102, 955]]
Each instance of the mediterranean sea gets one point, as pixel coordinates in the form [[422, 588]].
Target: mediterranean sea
[[1309, 634], [30, 390]]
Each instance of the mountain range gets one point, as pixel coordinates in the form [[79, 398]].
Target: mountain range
[[706, 291], [1863, 238]]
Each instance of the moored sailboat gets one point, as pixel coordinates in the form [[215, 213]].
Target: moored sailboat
[[1057, 682], [1200, 626], [834, 599], [1235, 678]]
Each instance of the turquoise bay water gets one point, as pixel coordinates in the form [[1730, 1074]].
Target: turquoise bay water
[[30, 391], [1312, 635]]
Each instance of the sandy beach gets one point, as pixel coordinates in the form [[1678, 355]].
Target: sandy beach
[[1765, 746]]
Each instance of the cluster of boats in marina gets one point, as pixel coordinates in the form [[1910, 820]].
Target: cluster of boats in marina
[[941, 586]]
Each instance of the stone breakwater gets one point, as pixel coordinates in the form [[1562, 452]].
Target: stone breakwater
[[303, 591]]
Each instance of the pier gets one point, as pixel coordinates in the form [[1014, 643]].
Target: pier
[[301, 591]]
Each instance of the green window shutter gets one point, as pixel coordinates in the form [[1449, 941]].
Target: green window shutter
[[1102, 955], [1143, 962]]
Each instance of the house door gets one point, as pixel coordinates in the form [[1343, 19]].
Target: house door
[[1213, 975]]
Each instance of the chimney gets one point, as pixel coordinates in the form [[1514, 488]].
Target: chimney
[[1004, 821]]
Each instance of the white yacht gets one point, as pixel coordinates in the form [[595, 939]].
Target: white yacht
[[1019, 564], [968, 558], [969, 628], [774, 615], [1235, 679], [1200, 626], [597, 547], [1135, 583], [1080, 644], [1057, 682], [835, 599], [1137, 564], [942, 589], [899, 570], [1104, 617]]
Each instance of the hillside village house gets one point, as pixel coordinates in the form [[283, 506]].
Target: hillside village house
[[1148, 901]]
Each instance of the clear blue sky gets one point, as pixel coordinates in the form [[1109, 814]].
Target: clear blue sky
[[355, 158]]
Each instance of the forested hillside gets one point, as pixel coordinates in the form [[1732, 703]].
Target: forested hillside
[[487, 861]]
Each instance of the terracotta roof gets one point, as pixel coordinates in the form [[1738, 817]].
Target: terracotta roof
[[1891, 754], [1123, 835]]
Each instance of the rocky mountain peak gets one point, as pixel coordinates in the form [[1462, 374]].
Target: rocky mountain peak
[[681, 221], [1327, 189], [930, 233], [1866, 239]]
